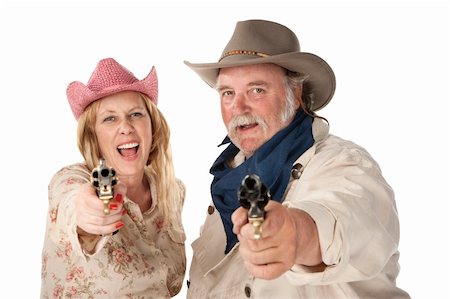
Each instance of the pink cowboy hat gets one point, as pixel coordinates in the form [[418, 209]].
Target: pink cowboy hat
[[261, 41], [109, 77]]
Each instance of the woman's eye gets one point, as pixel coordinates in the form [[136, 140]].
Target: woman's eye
[[136, 114], [109, 119]]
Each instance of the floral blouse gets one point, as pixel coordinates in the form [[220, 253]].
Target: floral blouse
[[142, 260]]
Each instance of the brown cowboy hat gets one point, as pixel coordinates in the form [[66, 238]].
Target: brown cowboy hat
[[260, 41]]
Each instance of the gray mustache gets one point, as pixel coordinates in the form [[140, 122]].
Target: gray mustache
[[246, 119]]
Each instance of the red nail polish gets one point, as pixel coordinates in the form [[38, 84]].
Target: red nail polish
[[113, 206], [119, 198], [119, 224], [124, 212]]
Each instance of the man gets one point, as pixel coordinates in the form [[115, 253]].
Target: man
[[331, 227]]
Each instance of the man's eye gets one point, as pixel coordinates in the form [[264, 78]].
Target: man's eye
[[258, 90], [227, 93]]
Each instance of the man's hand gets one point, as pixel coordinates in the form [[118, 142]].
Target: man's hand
[[289, 236], [275, 252]]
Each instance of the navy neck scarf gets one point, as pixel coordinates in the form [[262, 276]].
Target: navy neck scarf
[[272, 162]]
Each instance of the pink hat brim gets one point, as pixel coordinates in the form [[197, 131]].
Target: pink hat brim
[[80, 96]]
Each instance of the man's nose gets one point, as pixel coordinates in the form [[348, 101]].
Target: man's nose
[[240, 104]]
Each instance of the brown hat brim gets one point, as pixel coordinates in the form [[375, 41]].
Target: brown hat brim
[[321, 79]]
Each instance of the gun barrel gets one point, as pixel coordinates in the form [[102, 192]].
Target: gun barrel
[[253, 195], [104, 178]]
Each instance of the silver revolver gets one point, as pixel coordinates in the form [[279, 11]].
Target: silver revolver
[[103, 178]]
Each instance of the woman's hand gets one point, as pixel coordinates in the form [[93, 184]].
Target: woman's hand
[[89, 210]]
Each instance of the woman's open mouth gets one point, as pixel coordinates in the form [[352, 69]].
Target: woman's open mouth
[[128, 149]]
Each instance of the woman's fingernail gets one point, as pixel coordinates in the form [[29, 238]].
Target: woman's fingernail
[[124, 212], [113, 206], [119, 198], [119, 224]]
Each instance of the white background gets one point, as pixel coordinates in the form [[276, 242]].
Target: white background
[[391, 61]]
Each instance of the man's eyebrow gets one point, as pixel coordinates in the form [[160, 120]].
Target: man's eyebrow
[[258, 83], [221, 87], [253, 83]]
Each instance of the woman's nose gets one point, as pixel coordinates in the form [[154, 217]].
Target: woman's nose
[[126, 127]]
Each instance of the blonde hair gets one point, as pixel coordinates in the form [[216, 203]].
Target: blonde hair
[[159, 163]]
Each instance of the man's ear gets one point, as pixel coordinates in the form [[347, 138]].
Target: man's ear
[[298, 97]]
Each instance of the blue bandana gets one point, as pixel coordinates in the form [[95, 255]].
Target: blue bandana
[[272, 162]]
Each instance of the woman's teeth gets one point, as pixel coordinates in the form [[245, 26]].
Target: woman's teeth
[[128, 145], [128, 149]]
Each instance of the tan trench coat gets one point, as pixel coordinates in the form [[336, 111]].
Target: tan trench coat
[[343, 190]]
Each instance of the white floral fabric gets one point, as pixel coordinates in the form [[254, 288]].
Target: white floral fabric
[[143, 260]]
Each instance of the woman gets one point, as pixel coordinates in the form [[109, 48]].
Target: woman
[[136, 250]]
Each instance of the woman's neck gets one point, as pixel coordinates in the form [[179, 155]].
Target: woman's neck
[[138, 190]]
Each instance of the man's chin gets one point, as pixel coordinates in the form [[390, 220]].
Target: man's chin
[[247, 146]]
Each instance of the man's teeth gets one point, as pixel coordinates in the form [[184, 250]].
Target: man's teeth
[[128, 145], [245, 126]]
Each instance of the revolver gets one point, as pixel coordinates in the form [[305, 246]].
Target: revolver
[[103, 178], [254, 195]]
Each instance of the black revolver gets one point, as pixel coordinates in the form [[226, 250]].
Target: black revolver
[[254, 195], [104, 178]]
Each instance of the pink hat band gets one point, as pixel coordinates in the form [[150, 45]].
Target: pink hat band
[[109, 77]]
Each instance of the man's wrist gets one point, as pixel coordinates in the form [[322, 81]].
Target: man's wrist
[[308, 246]]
